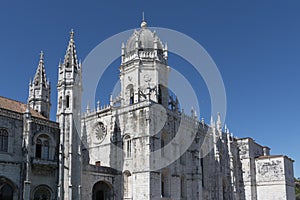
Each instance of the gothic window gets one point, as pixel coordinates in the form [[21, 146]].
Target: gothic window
[[183, 187], [202, 167], [42, 146], [3, 140], [6, 190], [163, 193], [42, 193], [38, 148], [165, 184], [159, 98], [127, 146], [202, 170], [67, 101], [131, 100], [45, 150], [60, 102], [130, 94], [127, 184]]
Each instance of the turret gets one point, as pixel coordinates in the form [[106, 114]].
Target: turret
[[144, 71], [39, 90], [68, 115]]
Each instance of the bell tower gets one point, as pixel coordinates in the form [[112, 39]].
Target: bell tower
[[144, 70], [144, 74], [68, 116], [39, 90]]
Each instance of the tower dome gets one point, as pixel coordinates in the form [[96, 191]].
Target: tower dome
[[143, 39]]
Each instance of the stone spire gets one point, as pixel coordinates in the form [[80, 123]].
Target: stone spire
[[39, 90], [70, 68], [68, 114], [70, 59], [40, 75]]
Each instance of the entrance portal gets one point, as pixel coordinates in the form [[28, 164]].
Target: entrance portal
[[6, 190], [102, 191]]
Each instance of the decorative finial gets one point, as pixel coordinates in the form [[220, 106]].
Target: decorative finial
[[143, 24], [72, 34], [225, 128], [27, 111], [41, 56], [88, 110], [143, 17], [219, 119], [219, 123], [98, 105], [211, 120], [111, 100]]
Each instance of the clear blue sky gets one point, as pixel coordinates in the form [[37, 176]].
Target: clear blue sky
[[255, 44]]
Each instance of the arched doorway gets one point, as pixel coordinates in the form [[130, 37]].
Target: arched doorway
[[102, 191], [42, 193], [6, 189]]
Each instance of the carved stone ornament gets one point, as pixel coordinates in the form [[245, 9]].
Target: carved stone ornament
[[147, 78]]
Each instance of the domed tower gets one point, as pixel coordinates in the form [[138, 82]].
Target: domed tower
[[144, 71]]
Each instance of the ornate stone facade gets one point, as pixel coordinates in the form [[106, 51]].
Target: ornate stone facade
[[122, 150]]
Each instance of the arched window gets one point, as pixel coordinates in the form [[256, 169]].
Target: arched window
[[67, 101], [183, 187], [6, 189], [165, 184], [42, 146], [42, 193], [60, 102], [45, 150], [127, 184], [130, 94], [38, 148], [127, 146], [3, 140], [131, 101], [202, 167]]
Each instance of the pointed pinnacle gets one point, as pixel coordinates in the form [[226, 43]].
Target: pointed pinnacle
[[27, 108], [219, 118], [72, 34], [41, 56]]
